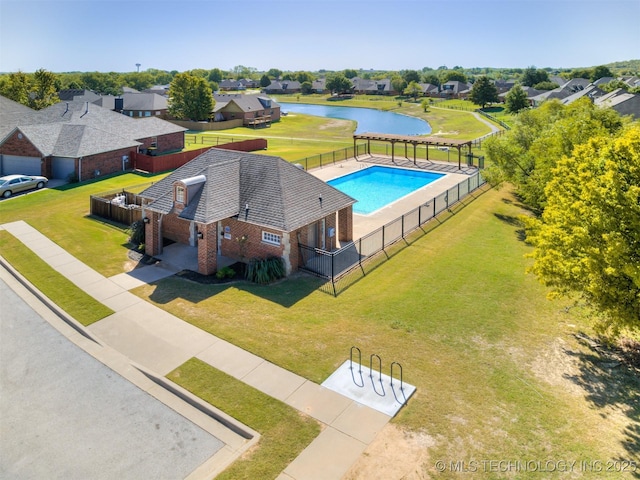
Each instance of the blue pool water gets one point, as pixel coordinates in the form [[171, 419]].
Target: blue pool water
[[377, 186], [368, 119]]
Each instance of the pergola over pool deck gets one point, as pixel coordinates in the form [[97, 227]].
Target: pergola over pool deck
[[413, 140]]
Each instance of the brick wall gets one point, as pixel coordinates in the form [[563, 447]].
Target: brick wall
[[19, 146], [165, 143], [152, 241], [105, 163], [207, 249], [176, 229], [252, 246]]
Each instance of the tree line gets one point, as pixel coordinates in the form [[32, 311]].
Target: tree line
[[577, 168]]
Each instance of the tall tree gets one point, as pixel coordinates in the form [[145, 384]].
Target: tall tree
[[338, 83], [587, 242], [516, 99], [190, 98], [411, 76], [483, 91], [533, 76], [398, 83], [413, 90], [600, 72], [44, 90], [15, 86], [265, 81], [526, 154]]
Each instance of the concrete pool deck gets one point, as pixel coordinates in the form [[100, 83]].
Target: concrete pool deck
[[365, 224]]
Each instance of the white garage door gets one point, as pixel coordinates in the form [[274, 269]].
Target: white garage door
[[21, 165], [62, 168]]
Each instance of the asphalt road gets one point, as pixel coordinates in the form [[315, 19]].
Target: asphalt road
[[65, 415]]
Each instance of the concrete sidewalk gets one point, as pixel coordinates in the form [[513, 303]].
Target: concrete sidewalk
[[161, 342]]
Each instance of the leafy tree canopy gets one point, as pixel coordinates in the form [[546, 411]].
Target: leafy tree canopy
[[483, 91], [516, 99], [587, 242], [533, 76], [600, 72], [37, 90], [526, 154], [413, 90], [338, 83], [452, 76], [546, 85], [190, 98], [411, 76]]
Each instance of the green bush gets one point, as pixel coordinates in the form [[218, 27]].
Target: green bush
[[225, 272], [136, 233], [265, 271]]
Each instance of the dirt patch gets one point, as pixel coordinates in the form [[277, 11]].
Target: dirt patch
[[395, 454]]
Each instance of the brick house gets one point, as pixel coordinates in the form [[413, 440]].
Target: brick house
[[78, 139], [242, 206], [254, 110]]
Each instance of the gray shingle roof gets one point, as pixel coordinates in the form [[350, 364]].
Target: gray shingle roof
[[278, 194], [246, 103]]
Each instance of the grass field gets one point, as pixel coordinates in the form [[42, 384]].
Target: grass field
[[501, 372], [473, 332]]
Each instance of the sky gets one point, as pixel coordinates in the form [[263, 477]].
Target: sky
[[312, 35]]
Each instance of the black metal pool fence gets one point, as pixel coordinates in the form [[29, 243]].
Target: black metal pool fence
[[344, 266]]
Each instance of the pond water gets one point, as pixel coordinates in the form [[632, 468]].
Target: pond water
[[369, 120]]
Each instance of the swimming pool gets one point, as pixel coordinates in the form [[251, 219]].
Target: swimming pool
[[377, 186]]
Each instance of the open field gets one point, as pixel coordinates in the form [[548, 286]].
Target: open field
[[501, 372]]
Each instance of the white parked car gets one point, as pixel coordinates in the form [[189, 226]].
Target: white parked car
[[11, 184]]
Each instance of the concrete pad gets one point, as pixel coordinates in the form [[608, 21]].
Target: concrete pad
[[102, 289], [273, 380], [377, 392], [72, 269], [86, 278], [360, 422], [142, 276], [230, 359], [121, 301], [318, 402], [139, 344], [56, 258], [171, 329], [328, 457]]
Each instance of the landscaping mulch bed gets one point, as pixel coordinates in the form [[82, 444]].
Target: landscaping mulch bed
[[238, 268]]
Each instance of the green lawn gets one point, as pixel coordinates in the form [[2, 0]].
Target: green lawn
[[62, 214], [469, 327], [284, 431], [67, 296]]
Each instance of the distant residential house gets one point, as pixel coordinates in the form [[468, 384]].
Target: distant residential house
[[429, 90], [365, 86], [283, 86], [243, 206], [623, 102], [140, 104], [319, 85], [131, 102], [228, 84], [455, 89], [633, 82], [591, 91], [78, 139], [158, 89], [253, 109], [529, 91], [567, 89], [504, 86]]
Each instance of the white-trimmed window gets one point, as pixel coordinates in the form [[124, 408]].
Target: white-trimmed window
[[179, 194], [271, 238]]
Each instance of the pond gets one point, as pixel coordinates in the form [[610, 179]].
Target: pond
[[369, 120]]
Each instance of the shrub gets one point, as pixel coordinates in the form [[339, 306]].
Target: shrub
[[225, 272], [136, 233], [264, 271]]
